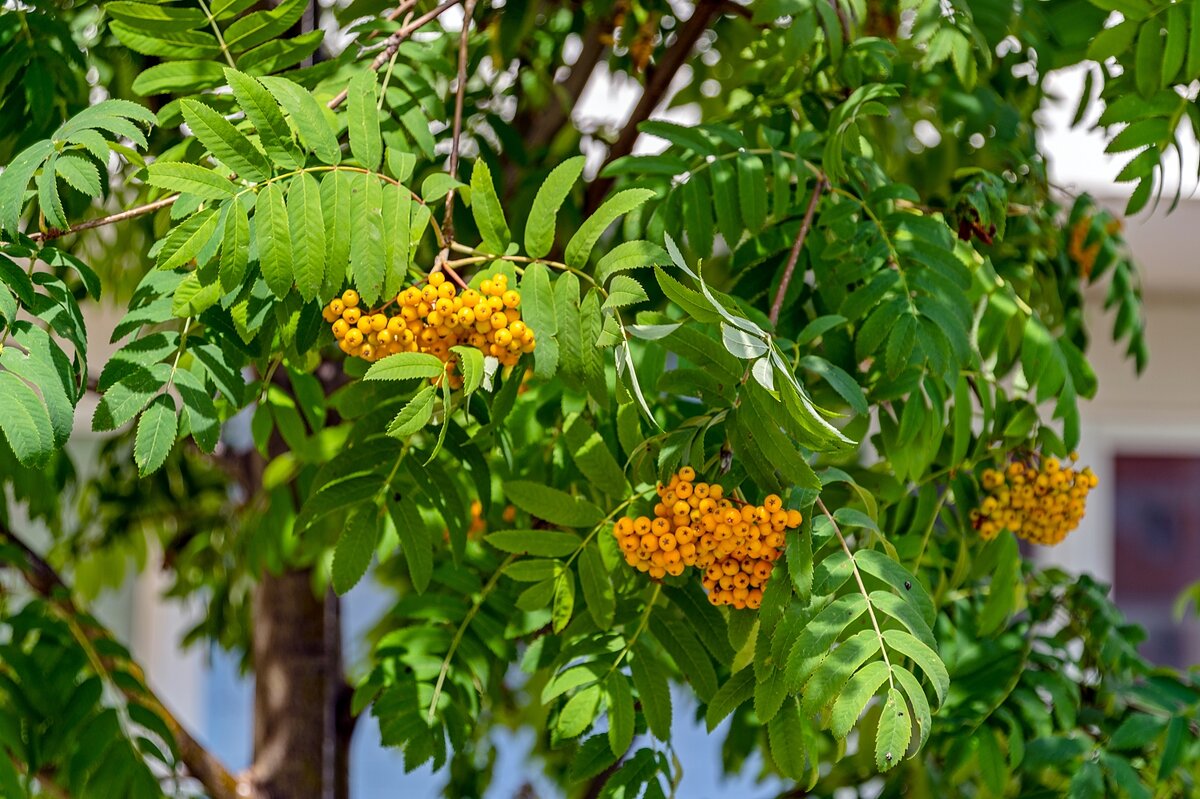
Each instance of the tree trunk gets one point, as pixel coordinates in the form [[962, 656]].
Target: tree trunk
[[298, 751]]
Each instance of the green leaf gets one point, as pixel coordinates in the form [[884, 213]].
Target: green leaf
[[593, 757], [1148, 59], [337, 196], [579, 712], [308, 116], [368, 254], [909, 646], [405, 366], [553, 505], [543, 214], [1087, 782], [1192, 67], [737, 690], [593, 457], [485, 207], [226, 142], [307, 227], [190, 179], [279, 54], [186, 241], [437, 185], [355, 547], [1001, 592], [362, 119], [785, 734], [79, 173], [540, 543], [580, 245], [833, 673], [25, 421], [1175, 48], [261, 26], [854, 697], [894, 731], [752, 191], [15, 178], [1136, 732], [906, 585], [698, 214], [264, 113], [622, 292], [155, 17], [630, 255], [597, 586], [156, 432], [654, 693], [414, 542], [685, 649], [537, 311], [564, 601], [273, 234], [724, 194], [178, 77], [173, 45], [471, 366], [415, 414], [235, 246], [621, 716]]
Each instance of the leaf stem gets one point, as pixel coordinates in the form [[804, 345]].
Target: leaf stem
[[637, 632], [862, 589], [462, 630], [217, 30]]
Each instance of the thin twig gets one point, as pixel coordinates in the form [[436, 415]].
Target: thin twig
[[393, 42], [460, 90], [201, 764], [862, 589], [797, 246], [131, 213]]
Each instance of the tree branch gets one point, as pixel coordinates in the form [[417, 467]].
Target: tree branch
[[131, 213], [393, 42], [200, 763], [658, 81], [460, 90], [794, 255]]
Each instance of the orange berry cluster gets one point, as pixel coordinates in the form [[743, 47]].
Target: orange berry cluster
[[1040, 503], [433, 318], [735, 545]]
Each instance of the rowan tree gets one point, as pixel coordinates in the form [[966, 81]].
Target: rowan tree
[[761, 409]]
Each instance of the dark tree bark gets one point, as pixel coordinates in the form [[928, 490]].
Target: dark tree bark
[[298, 679]]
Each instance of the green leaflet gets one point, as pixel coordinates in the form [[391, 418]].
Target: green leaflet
[[307, 228], [486, 208], [156, 431], [190, 179], [539, 543], [580, 245], [539, 228], [273, 236], [225, 141], [653, 691], [362, 120], [597, 586], [355, 547], [25, 422], [894, 732], [552, 505], [264, 113], [309, 117], [235, 246]]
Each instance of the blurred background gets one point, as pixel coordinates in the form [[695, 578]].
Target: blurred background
[[1141, 533]]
